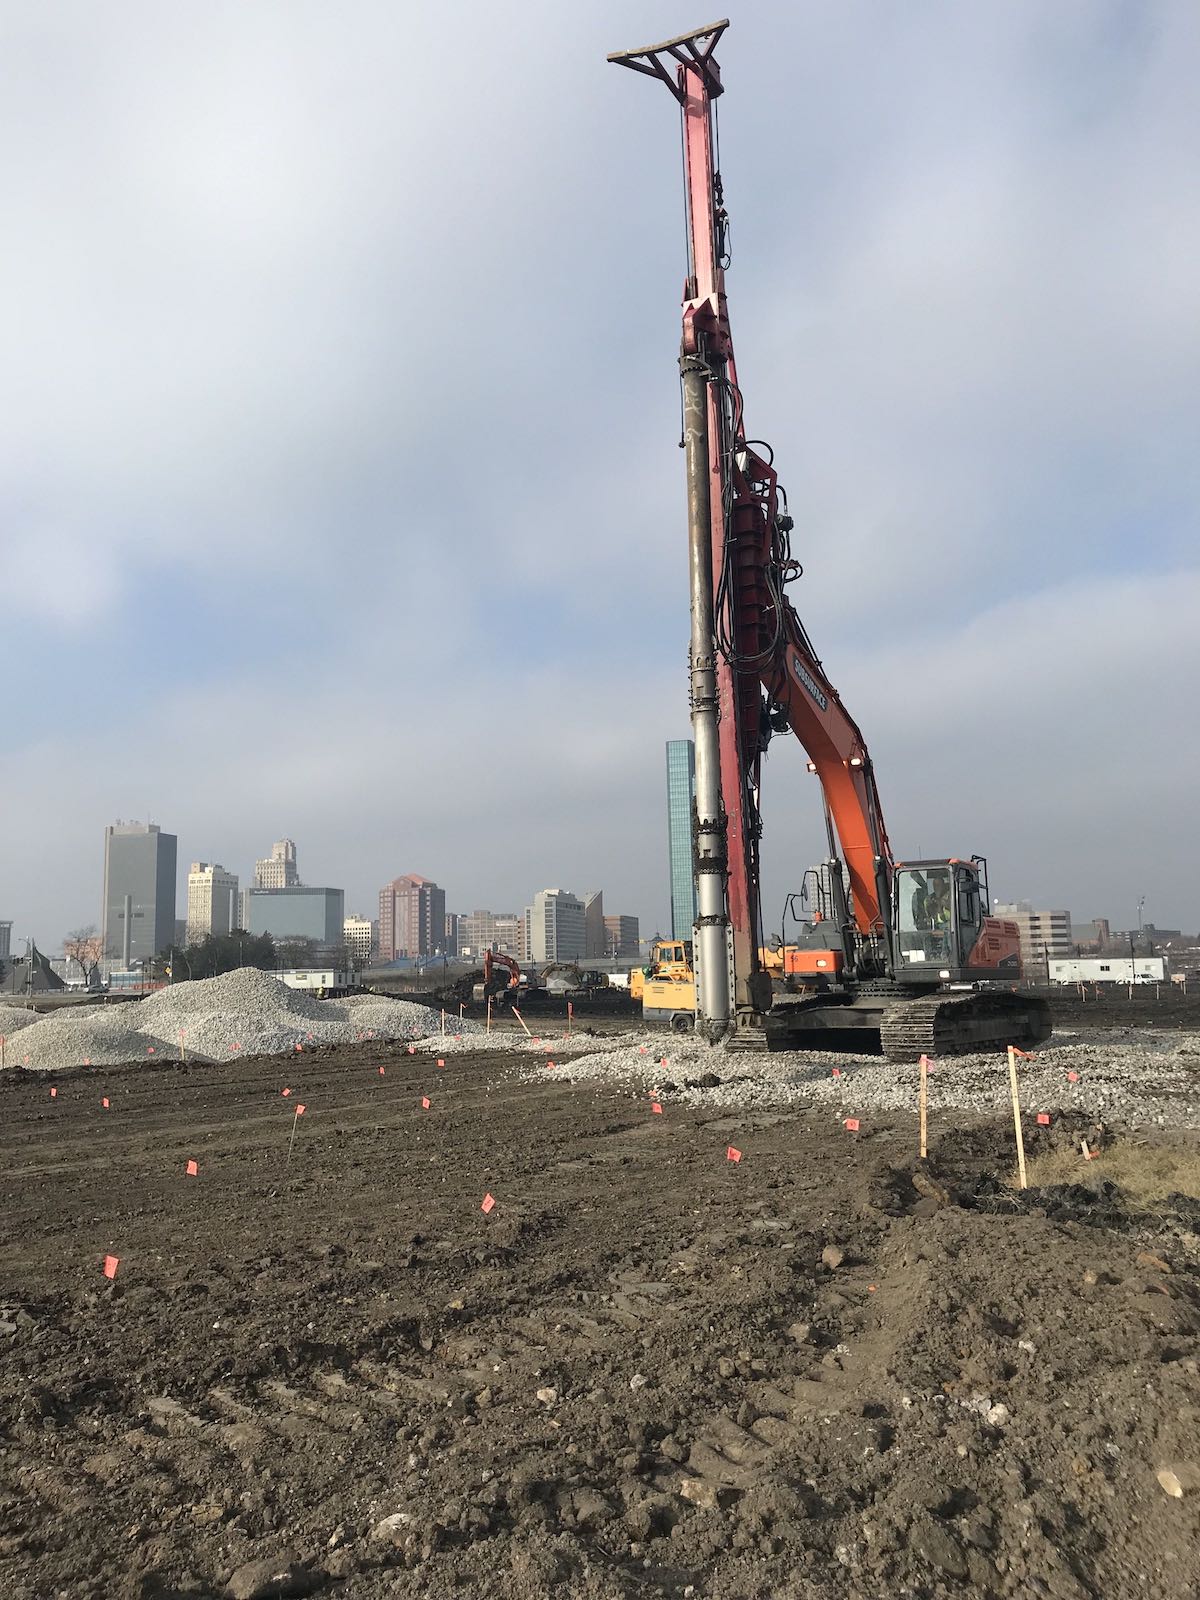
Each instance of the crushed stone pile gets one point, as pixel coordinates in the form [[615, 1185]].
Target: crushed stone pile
[[13, 1018], [1135, 1077], [239, 1013], [65, 1040]]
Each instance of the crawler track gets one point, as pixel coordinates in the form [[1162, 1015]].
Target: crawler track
[[954, 1025]]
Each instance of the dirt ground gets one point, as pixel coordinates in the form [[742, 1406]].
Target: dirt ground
[[822, 1370], [1161, 1007]]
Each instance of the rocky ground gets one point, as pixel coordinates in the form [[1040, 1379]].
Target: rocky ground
[[822, 1368]]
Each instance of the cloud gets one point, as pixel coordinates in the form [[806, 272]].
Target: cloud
[[1046, 733], [340, 410]]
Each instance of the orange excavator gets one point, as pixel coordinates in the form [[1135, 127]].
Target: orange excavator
[[914, 964], [501, 979]]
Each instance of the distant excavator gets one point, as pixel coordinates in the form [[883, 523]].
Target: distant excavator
[[502, 980]]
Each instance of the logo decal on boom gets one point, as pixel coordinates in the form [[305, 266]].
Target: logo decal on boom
[[806, 681]]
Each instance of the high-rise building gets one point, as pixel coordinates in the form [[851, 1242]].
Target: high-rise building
[[593, 924], [1045, 935], [5, 940], [412, 917], [681, 795], [453, 921], [296, 912], [490, 930], [279, 869], [557, 927], [138, 920], [621, 938], [212, 900], [359, 936]]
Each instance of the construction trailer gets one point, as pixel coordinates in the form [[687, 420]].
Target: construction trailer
[[1109, 969], [321, 981]]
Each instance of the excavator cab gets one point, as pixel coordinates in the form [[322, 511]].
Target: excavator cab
[[938, 909]]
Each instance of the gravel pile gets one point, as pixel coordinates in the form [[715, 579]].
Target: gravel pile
[[240, 1013], [63, 1040], [1135, 1077], [14, 1017]]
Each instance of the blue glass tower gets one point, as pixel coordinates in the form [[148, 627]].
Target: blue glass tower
[[681, 791]]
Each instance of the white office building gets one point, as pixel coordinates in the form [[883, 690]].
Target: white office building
[[212, 900], [359, 934], [557, 927], [279, 870]]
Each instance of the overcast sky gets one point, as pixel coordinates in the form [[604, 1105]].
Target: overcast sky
[[340, 489]]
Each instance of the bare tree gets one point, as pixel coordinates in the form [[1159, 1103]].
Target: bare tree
[[85, 947]]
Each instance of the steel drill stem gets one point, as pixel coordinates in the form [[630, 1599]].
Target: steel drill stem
[[709, 859]]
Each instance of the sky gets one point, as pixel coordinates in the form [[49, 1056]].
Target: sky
[[340, 495]]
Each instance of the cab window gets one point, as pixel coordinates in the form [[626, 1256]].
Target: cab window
[[923, 914]]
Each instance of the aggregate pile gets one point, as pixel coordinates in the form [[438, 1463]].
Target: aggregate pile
[[14, 1017], [243, 1013], [1135, 1077], [68, 1040]]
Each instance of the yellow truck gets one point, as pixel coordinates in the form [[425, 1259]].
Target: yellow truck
[[667, 986]]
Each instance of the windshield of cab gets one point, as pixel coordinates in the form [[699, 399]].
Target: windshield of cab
[[923, 914]]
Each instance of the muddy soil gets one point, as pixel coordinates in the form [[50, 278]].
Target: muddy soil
[[1156, 1006], [649, 1370]]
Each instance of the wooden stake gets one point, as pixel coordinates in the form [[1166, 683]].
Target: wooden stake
[[460, 1010], [443, 1024], [1012, 1080], [924, 1106], [521, 1020], [570, 1014], [292, 1140], [489, 1026]]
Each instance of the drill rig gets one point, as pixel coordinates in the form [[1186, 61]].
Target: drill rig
[[916, 965]]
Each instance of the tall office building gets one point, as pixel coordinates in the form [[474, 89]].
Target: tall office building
[[279, 869], [1045, 935], [212, 903], [412, 917], [296, 912], [490, 930], [359, 934], [621, 938], [681, 795], [593, 924], [138, 919], [5, 940], [557, 927]]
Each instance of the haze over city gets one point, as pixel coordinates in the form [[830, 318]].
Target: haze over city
[[340, 411]]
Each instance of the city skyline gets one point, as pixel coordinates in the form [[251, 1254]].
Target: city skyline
[[212, 901], [649, 927]]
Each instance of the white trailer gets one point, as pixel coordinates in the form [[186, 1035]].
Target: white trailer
[[1109, 969], [320, 981]]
